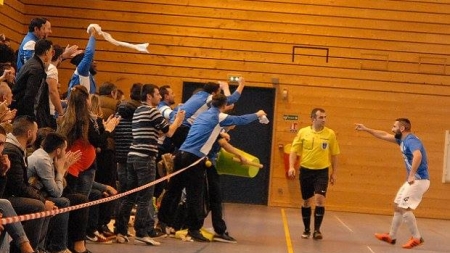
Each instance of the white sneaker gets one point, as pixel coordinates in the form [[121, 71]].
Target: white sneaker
[[97, 238], [147, 240]]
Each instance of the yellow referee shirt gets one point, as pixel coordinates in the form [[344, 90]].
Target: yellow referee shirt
[[315, 148]]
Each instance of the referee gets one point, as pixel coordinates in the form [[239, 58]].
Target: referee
[[317, 148]]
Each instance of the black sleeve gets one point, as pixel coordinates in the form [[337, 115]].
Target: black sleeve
[[98, 136], [16, 182], [2, 185]]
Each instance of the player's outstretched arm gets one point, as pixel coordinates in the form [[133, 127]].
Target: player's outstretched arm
[[377, 133]]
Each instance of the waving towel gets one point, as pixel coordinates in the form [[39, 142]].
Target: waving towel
[[108, 37]]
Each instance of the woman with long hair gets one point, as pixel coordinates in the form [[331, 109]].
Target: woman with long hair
[[87, 133]]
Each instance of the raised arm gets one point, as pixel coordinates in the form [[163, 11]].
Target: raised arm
[[241, 85], [85, 64], [377, 133], [179, 117]]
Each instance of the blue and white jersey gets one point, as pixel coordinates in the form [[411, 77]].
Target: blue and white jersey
[[26, 49], [165, 109], [198, 103], [82, 75], [408, 145], [213, 153], [206, 128]]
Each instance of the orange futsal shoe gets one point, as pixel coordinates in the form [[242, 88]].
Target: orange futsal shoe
[[413, 242], [385, 237]]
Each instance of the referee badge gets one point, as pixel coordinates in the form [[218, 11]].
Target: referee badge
[[324, 145]]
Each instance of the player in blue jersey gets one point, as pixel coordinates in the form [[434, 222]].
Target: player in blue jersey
[[199, 141], [200, 102], [417, 180]]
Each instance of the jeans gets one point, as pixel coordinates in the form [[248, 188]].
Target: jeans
[[33, 228], [121, 187], [78, 219], [100, 214], [83, 183], [140, 171], [15, 230], [58, 227], [122, 177]]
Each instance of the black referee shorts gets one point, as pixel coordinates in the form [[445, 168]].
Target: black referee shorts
[[313, 182]]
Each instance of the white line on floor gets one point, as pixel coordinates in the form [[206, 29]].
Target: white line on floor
[[347, 227], [370, 249]]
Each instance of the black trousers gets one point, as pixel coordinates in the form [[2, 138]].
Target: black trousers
[[215, 200], [193, 180]]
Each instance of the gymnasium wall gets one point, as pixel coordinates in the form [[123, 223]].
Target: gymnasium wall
[[12, 21], [363, 61]]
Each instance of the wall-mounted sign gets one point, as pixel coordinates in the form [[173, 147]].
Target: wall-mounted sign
[[293, 128], [290, 117]]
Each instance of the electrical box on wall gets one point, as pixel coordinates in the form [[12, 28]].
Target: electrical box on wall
[[446, 171]]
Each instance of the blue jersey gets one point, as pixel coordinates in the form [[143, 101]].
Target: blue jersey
[[26, 49], [198, 103], [82, 75], [165, 109], [407, 146], [213, 153], [206, 128]]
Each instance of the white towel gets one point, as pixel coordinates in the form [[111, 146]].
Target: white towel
[[139, 47]]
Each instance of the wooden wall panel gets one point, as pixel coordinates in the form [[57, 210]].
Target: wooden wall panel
[[368, 165], [387, 59], [12, 21]]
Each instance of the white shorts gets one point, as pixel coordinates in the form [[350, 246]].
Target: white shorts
[[410, 196]]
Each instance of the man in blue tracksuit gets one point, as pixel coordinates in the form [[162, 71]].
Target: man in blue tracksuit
[[199, 141], [85, 70], [198, 103], [36, 31]]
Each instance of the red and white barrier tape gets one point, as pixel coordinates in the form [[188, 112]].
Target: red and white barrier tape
[[32, 216]]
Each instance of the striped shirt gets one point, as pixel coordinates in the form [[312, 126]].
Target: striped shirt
[[146, 124]]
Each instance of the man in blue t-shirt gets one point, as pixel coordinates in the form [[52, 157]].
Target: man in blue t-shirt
[[417, 180]]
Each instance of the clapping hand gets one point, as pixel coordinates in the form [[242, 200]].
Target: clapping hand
[[72, 158], [111, 123], [9, 115], [67, 160], [71, 51]]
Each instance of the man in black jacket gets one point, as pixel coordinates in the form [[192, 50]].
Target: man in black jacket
[[30, 79], [15, 230], [24, 198]]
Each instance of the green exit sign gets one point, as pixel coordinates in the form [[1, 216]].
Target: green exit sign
[[290, 117]]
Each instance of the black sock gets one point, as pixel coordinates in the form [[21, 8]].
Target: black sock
[[319, 212], [306, 215]]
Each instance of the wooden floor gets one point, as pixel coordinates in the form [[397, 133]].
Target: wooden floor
[[263, 229]]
